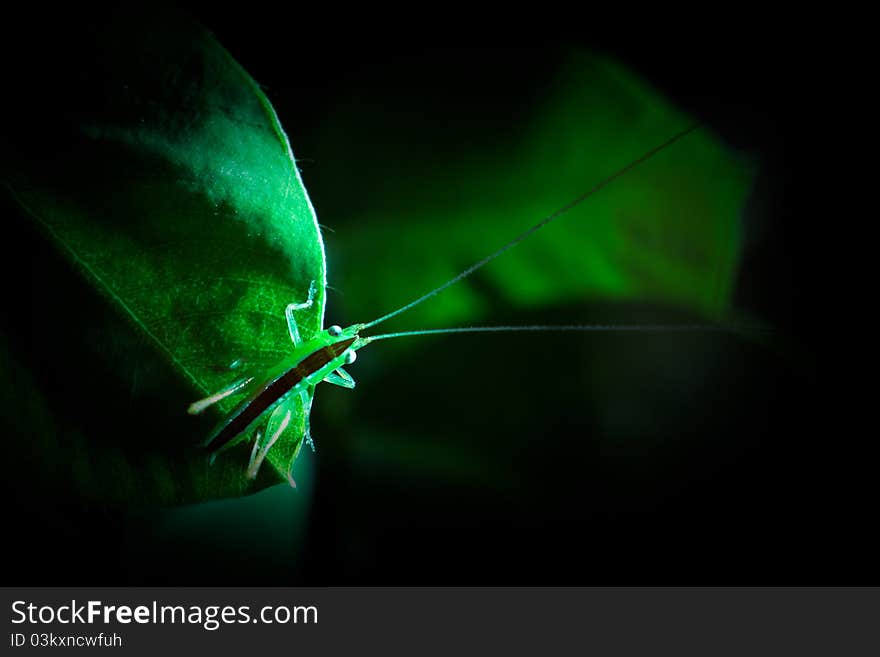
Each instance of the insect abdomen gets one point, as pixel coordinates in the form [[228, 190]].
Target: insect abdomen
[[308, 371]]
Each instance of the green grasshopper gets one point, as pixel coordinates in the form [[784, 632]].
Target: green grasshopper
[[275, 394]]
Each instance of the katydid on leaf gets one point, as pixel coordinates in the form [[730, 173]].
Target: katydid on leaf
[[167, 182], [286, 390]]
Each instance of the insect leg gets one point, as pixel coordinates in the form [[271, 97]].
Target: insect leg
[[239, 384], [292, 328], [340, 378], [278, 422], [305, 399]]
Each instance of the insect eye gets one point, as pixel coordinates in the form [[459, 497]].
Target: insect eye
[[334, 331], [350, 357]]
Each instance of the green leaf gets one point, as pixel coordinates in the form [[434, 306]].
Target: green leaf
[[169, 183]]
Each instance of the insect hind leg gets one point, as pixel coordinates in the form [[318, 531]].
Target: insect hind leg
[[236, 386], [305, 399], [279, 422], [263, 442]]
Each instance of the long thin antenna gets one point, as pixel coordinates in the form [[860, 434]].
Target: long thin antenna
[[519, 238], [596, 328]]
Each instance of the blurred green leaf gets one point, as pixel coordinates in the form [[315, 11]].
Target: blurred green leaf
[[668, 232], [462, 156], [170, 184]]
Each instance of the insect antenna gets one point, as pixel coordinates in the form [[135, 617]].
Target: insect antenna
[[594, 328], [519, 238]]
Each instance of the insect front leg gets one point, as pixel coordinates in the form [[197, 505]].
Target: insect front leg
[[292, 327], [340, 377]]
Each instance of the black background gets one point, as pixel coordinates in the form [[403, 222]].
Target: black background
[[799, 513]]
